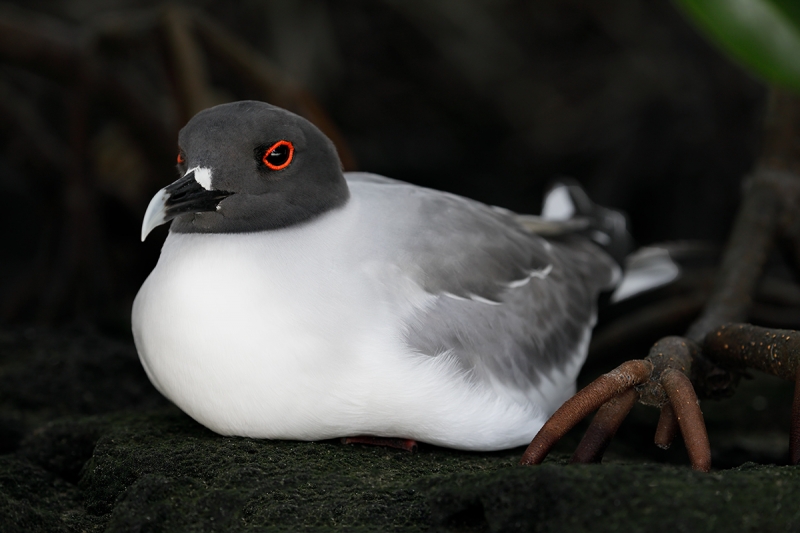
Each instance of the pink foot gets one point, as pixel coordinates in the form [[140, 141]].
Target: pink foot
[[408, 445]]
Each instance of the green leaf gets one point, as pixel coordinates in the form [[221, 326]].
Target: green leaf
[[762, 34]]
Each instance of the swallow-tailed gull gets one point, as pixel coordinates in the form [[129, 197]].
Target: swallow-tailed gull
[[294, 301]]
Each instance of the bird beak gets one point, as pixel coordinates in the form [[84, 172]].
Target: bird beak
[[185, 195]]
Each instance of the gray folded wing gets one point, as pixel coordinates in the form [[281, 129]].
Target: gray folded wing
[[511, 305], [536, 328]]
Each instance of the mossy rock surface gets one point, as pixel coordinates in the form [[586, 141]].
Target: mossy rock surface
[[128, 461], [163, 472]]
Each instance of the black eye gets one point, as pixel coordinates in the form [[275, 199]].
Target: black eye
[[279, 155]]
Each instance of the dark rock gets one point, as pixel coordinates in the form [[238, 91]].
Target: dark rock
[[32, 499], [46, 374], [167, 472], [63, 446], [621, 497]]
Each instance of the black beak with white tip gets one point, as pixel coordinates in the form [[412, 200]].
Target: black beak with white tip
[[185, 195]]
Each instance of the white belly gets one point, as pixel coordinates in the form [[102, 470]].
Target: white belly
[[297, 336]]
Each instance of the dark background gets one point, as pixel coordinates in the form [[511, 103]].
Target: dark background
[[490, 100]]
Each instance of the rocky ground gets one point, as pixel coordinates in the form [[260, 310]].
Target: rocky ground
[[88, 445]]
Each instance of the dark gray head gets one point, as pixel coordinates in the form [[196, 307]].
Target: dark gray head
[[248, 166]]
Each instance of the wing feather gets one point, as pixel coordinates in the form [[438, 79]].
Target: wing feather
[[511, 305]]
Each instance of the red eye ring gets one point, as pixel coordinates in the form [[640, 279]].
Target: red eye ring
[[283, 163], [181, 159]]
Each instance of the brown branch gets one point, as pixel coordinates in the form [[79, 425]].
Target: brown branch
[[667, 428], [604, 426], [586, 401], [738, 346], [669, 353], [690, 418]]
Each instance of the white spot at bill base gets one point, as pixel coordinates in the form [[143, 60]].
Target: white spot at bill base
[[202, 176]]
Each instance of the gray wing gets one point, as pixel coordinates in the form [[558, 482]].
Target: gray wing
[[512, 305], [447, 243], [536, 328]]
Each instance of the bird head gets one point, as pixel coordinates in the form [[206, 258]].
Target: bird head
[[248, 166]]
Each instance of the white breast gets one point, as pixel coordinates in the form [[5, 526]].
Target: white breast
[[298, 334]]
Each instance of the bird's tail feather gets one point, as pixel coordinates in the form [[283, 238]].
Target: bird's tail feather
[[608, 228], [568, 209]]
